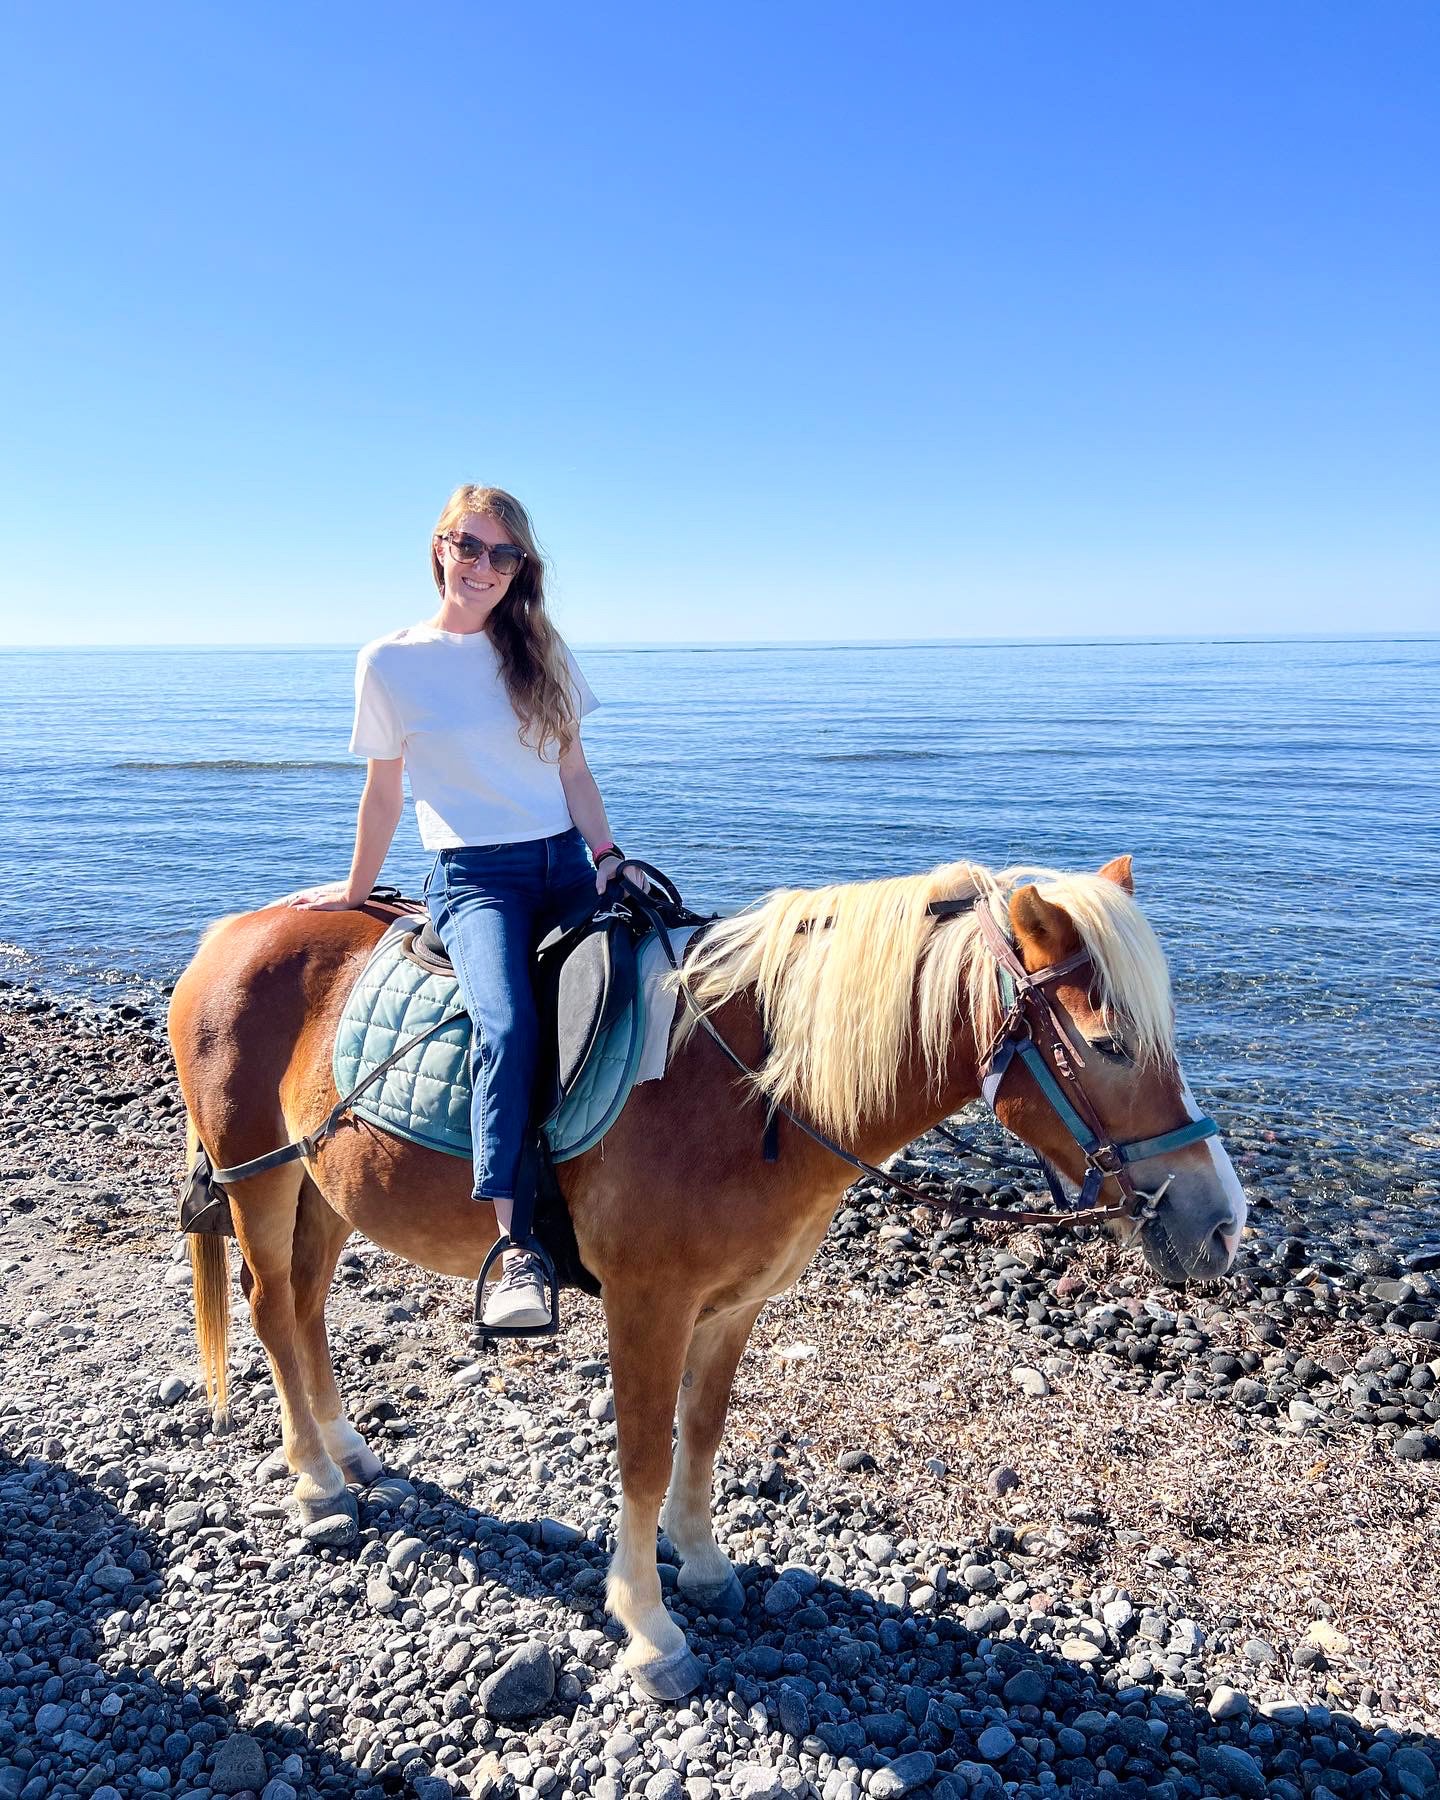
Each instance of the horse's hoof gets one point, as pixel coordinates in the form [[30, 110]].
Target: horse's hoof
[[671, 1678], [727, 1601], [329, 1506], [362, 1468]]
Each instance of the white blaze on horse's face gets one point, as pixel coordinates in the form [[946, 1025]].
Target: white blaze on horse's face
[[1225, 1234]]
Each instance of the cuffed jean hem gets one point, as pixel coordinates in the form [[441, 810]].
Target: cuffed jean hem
[[490, 1199]]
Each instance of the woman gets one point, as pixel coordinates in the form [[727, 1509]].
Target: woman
[[482, 705]]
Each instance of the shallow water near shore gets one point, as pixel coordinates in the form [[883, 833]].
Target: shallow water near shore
[[1278, 797]]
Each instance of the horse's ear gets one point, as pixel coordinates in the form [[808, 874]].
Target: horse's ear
[[1044, 933], [1122, 872]]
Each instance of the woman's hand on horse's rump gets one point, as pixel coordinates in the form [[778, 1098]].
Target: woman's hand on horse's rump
[[330, 896]]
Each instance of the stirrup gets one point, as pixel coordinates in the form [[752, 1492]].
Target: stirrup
[[486, 1336]]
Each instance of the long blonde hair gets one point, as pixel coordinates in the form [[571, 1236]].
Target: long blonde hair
[[847, 977], [532, 661]]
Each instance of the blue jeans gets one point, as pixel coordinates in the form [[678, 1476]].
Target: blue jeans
[[491, 905]]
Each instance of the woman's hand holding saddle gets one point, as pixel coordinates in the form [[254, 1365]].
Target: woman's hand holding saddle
[[611, 866]]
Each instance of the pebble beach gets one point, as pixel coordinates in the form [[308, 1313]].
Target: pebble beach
[[1010, 1516]]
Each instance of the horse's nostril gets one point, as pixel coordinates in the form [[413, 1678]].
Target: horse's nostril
[[1224, 1243]]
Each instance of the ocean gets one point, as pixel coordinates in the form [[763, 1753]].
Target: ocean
[[1279, 799]]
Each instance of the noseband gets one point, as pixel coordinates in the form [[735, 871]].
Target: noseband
[[1031, 1030]]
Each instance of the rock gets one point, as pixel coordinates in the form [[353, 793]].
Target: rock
[[1030, 1382], [880, 1549], [900, 1776], [1027, 1687], [560, 1534], [782, 1599], [239, 1765], [173, 1389], [521, 1686], [666, 1785], [331, 1532], [1228, 1703], [403, 1557], [1001, 1481], [756, 1781], [1235, 1771], [602, 1406], [280, 1790], [49, 1719], [856, 1462], [995, 1743]]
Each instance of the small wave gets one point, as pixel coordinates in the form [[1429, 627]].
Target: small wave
[[236, 764], [17, 952], [866, 756]]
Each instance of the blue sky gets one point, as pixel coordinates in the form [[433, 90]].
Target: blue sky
[[786, 321]]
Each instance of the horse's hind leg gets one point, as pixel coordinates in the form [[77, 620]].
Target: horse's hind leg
[[706, 1577], [649, 1331], [264, 1209], [320, 1235]]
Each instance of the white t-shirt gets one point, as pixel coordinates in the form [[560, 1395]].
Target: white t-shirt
[[437, 698]]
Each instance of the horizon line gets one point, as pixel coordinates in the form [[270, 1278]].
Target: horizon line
[[753, 645]]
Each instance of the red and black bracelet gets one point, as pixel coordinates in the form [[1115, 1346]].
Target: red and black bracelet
[[598, 856]]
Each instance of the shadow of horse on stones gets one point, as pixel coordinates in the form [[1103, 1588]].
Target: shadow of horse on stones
[[948, 1711], [79, 1697]]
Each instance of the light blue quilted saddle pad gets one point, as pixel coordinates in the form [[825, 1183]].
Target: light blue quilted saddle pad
[[425, 1098]]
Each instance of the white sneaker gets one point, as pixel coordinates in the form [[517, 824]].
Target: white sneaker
[[518, 1298]]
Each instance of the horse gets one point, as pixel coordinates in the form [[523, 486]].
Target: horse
[[864, 1010]]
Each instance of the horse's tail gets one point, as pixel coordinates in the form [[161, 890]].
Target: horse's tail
[[210, 1279]]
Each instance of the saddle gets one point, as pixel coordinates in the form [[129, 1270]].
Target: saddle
[[401, 1056], [585, 980]]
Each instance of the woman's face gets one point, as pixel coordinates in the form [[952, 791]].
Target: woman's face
[[475, 587]]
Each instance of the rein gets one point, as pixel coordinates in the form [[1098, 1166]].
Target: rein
[[1029, 1015]]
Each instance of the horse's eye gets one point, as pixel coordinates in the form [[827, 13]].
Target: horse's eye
[[1108, 1046]]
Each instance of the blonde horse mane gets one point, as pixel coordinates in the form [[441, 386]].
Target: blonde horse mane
[[847, 976]]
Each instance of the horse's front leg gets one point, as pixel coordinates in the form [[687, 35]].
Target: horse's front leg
[[706, 1577], [649, 1333]]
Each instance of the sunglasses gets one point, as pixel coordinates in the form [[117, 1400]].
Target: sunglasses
[[504, 559]]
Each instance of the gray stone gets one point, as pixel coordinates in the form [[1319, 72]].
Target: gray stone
[[560, 1534], [404, 1556], [50, 1718], [900, 1776], [239, 1765], [522, 1686], [1228, 1703], [995, 1743], [1234, 1770], [173, 1389], [756, 1781], [782, 1600], [1030, 1382], [665, 1785], [1001, 1481], [278, 1790], [602, 1407], [331, 1532], [1027, 1687]]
